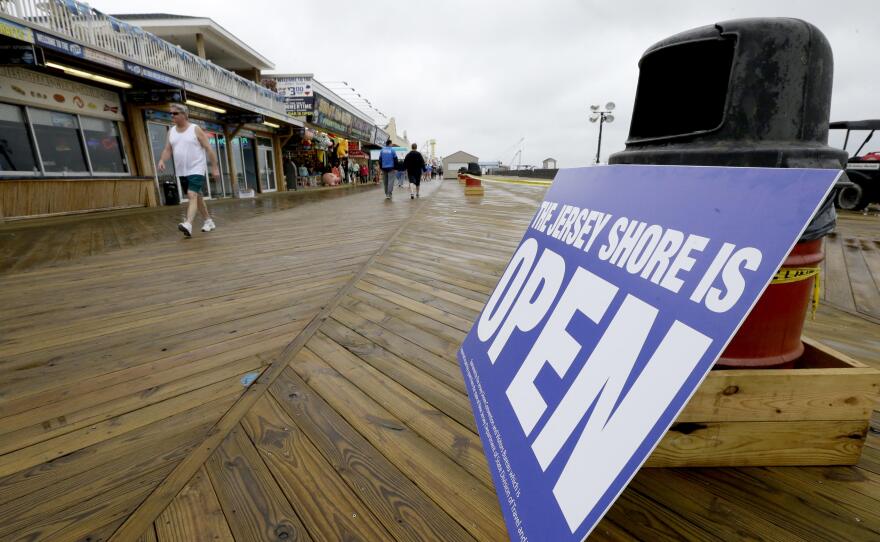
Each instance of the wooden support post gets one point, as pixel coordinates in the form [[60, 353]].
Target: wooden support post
[[233, 174], [279, 164], [200, 45]]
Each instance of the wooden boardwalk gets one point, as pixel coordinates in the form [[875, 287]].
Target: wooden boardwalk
[[129, 409]]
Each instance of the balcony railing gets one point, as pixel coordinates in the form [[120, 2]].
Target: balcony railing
[[88, 26]]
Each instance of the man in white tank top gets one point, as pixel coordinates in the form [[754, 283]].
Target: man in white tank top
[[189, 146]]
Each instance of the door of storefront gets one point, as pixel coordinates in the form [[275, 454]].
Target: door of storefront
[[222, 187], [266, 165], [158, 138], [244, 154]]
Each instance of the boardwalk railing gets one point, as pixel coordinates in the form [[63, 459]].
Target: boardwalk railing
[[88, 26]]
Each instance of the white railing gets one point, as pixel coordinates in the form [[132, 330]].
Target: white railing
[[88, 26]]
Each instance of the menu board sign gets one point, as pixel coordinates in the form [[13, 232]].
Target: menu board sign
[[29, 87]]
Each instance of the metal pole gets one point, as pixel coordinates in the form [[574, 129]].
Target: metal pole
[[599, 147]]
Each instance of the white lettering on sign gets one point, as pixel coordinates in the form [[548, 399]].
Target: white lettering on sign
[[534, 301], [729, 267], [626, 426], [625, 419], [493, 313], [663, 256], [555, 346]]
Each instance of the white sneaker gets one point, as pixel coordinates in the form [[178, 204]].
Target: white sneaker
[[209, 225], [186, 228]]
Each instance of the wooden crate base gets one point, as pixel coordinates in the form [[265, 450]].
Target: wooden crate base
[[814, 414]]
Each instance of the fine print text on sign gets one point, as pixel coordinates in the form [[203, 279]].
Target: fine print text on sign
[[627, 286]]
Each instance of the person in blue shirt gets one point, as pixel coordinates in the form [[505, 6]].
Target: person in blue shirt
[[388, 163]]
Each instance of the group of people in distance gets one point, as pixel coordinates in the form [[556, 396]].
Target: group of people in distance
[[413, 164]]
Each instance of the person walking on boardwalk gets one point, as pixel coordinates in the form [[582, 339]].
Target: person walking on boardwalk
[[414, 163], [388, 163], [189, 146]]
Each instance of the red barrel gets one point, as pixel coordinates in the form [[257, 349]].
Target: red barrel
[[771, 335]]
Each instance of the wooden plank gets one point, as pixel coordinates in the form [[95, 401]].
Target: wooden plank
[[185, 429], [253, 504], [396, 501], [419, 267], [57, 400], [329, 509], [453, 320], [420, 295], [194, 515], [104, 508], [440, 368], [456, 441], [138, 394], [417, 285], [644, 519], [431, 279], [148, 536], [840, 491], [784, 395], [62, 445], [452, 402], [434, 473], [701, 505], [28, 510], [425, 323], [426, 339], [866, 293], [792, 512], [838, 290], [760, 443]]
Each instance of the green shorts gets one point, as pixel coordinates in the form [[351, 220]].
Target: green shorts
[[193, 183]]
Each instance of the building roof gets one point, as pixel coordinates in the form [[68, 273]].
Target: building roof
[[545, 159], [221, 46], [461, 154]]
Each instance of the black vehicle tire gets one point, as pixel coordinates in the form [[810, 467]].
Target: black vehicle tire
[[852, 198]]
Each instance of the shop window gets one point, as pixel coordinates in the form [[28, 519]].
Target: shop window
[[59, 141], [104, 145], [16, 150]]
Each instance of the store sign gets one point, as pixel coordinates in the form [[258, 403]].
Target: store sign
[[361, 129], [628, 284], [244, 118], [16, 31], [299, 106], [103, 58], [295, 87], [20, 55], [155, 96], [379, 136], [330, 116], [58, 44], [149, 73], [34, 88]]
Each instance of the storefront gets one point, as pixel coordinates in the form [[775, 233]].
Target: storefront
[[247, 168], [157, 125], [55, 132]]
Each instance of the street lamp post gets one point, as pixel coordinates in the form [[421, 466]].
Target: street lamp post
[[603, 116]]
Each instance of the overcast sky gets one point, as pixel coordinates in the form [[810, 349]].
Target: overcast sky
[[478, 75]]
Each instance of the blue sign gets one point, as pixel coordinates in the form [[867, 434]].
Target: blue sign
[[149, 73], [627, 286], [58, 44]]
